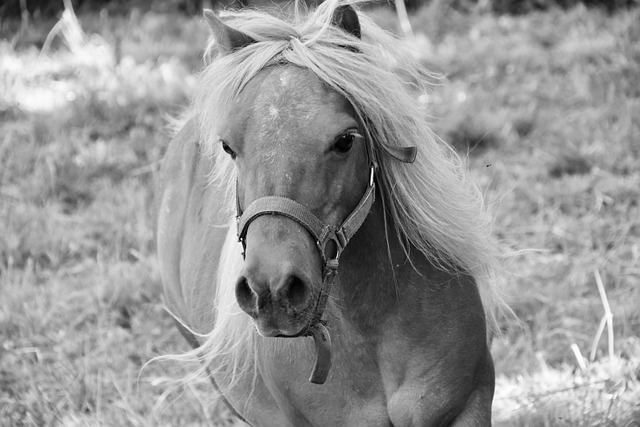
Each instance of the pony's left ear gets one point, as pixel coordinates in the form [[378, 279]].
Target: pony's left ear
[[228, 39], [346, 17]]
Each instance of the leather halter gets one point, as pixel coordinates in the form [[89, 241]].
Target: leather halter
[[323, 235]]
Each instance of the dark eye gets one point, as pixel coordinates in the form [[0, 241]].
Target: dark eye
[[344, 143], [228, 149]]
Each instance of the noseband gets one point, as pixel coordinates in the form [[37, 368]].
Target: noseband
[[330, 241]]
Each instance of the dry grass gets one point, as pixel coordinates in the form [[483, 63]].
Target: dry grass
[[550, 113], [82, 133], [547, 106]]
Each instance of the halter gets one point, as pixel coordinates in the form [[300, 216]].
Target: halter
[[330, 241]]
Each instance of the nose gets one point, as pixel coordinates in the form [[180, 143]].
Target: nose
[[281, 275], [288, 290]]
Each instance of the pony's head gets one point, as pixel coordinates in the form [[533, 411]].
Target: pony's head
[[290, 136], [299, 108], [294, 138]]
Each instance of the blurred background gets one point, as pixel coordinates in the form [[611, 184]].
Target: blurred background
[[541, 96]]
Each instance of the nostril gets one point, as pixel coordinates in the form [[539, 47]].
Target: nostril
[[295, 292], [244, 294]]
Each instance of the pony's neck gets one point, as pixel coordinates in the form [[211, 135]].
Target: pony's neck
[[373, 272]]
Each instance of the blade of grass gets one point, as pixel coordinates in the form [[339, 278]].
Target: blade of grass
[[607, 313]]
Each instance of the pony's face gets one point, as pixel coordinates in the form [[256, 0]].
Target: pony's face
[[291, 136]]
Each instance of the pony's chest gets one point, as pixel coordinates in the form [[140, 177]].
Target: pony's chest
[[352, 395], [393, 381]]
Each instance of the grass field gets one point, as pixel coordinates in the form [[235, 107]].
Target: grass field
[[546, 106]]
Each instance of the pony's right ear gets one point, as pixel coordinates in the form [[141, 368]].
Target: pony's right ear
[[228, 39]]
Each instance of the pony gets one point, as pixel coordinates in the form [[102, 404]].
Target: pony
[[310, 221]]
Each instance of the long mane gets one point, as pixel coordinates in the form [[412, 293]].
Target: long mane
[[433, 203]]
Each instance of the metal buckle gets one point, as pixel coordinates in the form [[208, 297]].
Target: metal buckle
[[336, 235], [371, 175]]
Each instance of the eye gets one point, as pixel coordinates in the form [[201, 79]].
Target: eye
[[344, 142], [228, 149]]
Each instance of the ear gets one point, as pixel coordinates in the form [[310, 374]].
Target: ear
[[227, 38], [346, 17]]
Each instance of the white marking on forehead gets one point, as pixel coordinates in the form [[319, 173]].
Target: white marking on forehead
[[285, 76], [273, 111], [285, 107]]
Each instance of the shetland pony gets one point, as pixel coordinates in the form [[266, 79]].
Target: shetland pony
[[310, 221]]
